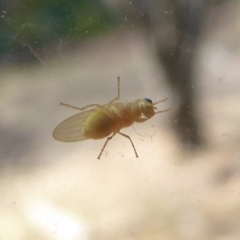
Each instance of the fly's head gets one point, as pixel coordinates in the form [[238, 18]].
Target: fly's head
[[147, 107]]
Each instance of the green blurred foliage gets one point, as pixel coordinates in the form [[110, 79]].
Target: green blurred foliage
[[38, 23]]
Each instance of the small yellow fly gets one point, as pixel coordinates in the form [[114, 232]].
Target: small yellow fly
[[103, 120]]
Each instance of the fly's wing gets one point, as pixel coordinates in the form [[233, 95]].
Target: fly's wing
[[70, 130]]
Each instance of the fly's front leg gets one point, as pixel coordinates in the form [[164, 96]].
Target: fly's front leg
[[118, 96], [83, 108]]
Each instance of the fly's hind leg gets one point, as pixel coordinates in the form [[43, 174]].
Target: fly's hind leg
[[94, 105], [78, 108], [124, 135], [105, 144], [118, 96]]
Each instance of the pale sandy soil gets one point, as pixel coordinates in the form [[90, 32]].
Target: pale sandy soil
[[54, 191]]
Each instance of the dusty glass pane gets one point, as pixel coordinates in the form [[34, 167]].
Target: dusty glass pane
[[184, 183]]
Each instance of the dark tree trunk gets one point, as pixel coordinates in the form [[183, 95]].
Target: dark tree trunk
[[175, 27]]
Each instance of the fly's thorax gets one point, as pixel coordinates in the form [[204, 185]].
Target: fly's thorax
[[121, 113], [98, 125], [143, 107]]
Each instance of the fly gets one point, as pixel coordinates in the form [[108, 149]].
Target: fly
[[100, 121]]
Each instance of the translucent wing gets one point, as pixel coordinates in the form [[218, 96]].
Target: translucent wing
[[70, 130]]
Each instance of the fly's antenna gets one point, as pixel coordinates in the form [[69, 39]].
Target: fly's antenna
[[163, 100], [165, 110]]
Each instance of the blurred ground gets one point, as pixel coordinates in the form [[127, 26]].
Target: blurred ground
[[52, 190]]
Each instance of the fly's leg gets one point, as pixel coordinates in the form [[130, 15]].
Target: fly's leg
[[118, 96], [105, 144], [83, 108], [109, 138], [94, 105], [124, 135]]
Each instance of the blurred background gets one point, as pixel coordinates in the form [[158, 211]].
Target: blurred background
[[185, 183]]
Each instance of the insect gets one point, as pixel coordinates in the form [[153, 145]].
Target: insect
[[99, 121]]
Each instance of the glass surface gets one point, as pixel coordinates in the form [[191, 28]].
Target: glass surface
[[185, 184]]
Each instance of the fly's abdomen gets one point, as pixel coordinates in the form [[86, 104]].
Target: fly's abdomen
[[98, 125]]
